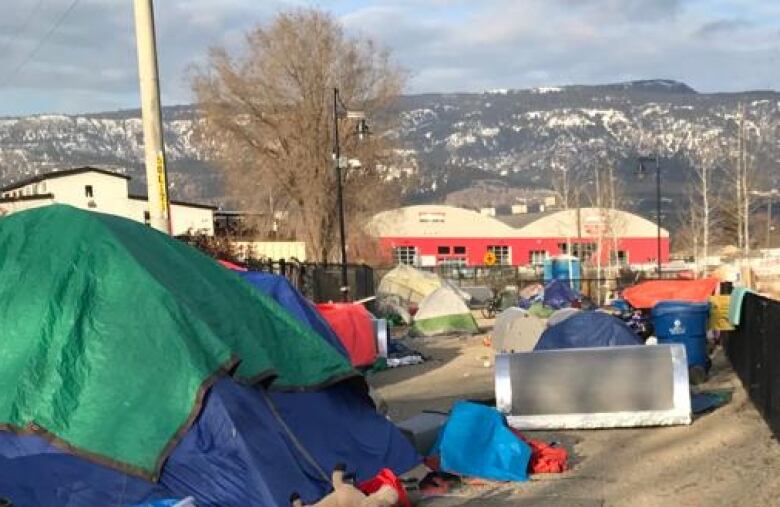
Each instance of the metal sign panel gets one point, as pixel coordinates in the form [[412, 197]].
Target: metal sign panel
[[602, 387]]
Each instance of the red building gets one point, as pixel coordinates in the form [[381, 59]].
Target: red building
[[430, 235]]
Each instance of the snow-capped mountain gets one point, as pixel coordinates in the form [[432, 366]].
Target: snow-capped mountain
[[518, 136]]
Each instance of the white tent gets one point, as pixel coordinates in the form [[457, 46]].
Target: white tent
[[516, 330], [408, 285], [443, 312], [559, 316]]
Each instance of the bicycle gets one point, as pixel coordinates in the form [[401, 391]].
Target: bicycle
[[491, 308]]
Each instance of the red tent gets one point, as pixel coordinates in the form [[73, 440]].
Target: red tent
[[355, 328], [230, 265], [647, 294]]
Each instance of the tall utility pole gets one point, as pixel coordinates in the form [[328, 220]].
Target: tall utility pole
[[340, 198], [148, 73]]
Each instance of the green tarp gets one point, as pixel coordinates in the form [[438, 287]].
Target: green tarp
[[111, 332]]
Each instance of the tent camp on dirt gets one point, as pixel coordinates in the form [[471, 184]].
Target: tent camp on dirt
[[136, 368]]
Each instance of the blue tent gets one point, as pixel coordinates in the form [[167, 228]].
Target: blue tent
[[280, 289], [587, 329], [248, 446], [558, 294], [241, 450], [338, 424]]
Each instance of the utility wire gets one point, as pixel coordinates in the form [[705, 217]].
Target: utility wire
[[21, 28], [40, 44]]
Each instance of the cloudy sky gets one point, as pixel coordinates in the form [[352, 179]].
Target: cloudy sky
[[89, 64]]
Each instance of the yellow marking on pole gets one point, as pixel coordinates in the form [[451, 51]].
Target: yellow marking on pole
[[162, 184]]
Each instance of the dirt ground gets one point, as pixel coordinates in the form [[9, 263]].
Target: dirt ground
[[725, 458]]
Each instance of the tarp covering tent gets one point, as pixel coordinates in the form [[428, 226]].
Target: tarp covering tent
[[109, 306], [246, 445], [558, 294], [410, 286], [443, 312], [587, 329], [337, 424], [646, 294], [355, 328], [516, 330], [237, 453]]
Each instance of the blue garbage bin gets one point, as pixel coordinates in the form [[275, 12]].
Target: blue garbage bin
[[685, 323]]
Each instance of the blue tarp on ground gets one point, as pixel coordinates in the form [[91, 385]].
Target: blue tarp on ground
[[558, 294], [587, 329], [477, 442], [279, 288]]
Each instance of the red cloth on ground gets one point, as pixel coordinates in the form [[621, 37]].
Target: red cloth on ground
[[647, 294], [386, 477], [545, 459], [355, 328]]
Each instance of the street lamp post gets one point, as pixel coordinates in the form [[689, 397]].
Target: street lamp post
[[339, 112], [642, 171]]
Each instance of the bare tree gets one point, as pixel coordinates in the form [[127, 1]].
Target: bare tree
[[707, 151], [268, 116]]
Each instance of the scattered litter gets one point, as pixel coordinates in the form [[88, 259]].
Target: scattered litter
[[399, 354], [437, 484]]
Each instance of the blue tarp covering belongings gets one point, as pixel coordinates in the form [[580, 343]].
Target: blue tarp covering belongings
[[476, 441], [587, 329], [558, 294]]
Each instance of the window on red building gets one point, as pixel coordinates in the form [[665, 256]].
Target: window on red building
[[537, 257], [459, 250], [502, 254], [406, 255], [444, 250]]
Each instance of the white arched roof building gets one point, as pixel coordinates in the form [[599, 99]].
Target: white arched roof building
[[434, 234]]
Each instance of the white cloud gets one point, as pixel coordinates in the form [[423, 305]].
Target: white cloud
[[447, 45]]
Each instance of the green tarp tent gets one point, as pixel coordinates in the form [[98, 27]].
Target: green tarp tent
[[112, 332], [443, 312]]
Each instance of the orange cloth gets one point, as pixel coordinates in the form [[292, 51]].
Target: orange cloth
[[355, 328], [386, 477], [647, 294], [545, 459]]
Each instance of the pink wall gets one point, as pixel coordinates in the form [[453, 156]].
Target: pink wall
[[640, 250]]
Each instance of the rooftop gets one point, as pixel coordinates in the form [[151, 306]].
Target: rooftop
[[61, 174]]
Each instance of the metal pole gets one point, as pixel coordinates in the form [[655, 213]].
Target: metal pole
[[769, 224], [658, 208], [148, 73], [340, 198]]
